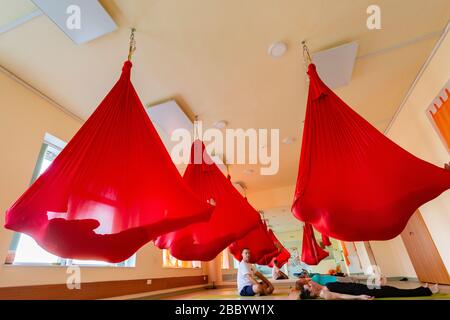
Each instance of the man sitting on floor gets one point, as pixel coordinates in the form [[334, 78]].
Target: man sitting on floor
[[246, 278]]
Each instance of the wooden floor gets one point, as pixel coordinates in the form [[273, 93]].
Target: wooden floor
[[281, 293], [228, 294]]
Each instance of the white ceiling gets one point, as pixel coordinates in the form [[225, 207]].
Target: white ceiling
[[281, 220]]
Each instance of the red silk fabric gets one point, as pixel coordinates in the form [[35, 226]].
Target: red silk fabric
[[355, 184], [282, 255], [233, 217], [312, 253], [258, 241], [112, 189], [282, 258], [326, 240]]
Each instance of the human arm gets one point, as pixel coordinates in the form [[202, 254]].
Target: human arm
[[263, 278], [329, 295], [284, 275], [294, 294], [268, 285], [252, 278]]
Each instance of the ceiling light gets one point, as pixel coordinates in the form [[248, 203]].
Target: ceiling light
[[220, 124], [277, 49]]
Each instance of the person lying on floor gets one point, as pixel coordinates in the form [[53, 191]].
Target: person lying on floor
[[357, 291], [277, 274], [246, 278], [324, 279]]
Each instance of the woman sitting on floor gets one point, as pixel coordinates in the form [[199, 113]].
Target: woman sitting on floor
[[356, 291], [277, 274]]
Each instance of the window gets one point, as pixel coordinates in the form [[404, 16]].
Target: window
[[225, 259], [171, 262], [23, 249], [228, 261]]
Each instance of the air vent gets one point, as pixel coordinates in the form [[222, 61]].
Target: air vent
[[335, 65], [80, 20]]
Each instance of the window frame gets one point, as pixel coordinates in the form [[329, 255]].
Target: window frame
[[167, 252]]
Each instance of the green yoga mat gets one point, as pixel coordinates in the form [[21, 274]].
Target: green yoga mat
[[231, 296], [439, 296]]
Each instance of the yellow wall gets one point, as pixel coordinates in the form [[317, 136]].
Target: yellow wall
[[24, 119], [413, 131]]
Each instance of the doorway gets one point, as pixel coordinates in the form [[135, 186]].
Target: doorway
[[423, 253]]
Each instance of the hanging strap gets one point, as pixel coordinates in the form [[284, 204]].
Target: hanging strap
[[306, 54], [132, 47]]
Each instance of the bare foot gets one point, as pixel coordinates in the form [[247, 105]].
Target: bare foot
[[435, 289], [383, 280], [365, 297]]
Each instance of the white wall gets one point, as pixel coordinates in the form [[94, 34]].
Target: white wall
[[413, 131]]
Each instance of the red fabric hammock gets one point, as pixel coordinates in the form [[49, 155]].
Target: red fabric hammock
[[259, 243], [326, 240], [312, 253], [283, 254], [282, 258], [267, 258], [233, 217], [354, 183], [112, 189]]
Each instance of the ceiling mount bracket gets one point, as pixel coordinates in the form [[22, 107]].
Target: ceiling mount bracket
[[306, 54]]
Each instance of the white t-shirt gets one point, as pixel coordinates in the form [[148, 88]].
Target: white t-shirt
[[275, 271], [244, 270]]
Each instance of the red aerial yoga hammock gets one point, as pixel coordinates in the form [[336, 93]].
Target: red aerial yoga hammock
[[312, 253], [326, 240], [354, 183], [233, 217], [282, 258], [267, 258], [282, 255], [111, 190], [258, 241]]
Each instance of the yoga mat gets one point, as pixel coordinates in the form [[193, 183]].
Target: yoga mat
[[439, 296]]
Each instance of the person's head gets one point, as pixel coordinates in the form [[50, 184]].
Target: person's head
[[305, 293], [304, 274], [275, 263], [310, 290], [246, 254], [301, 282]]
